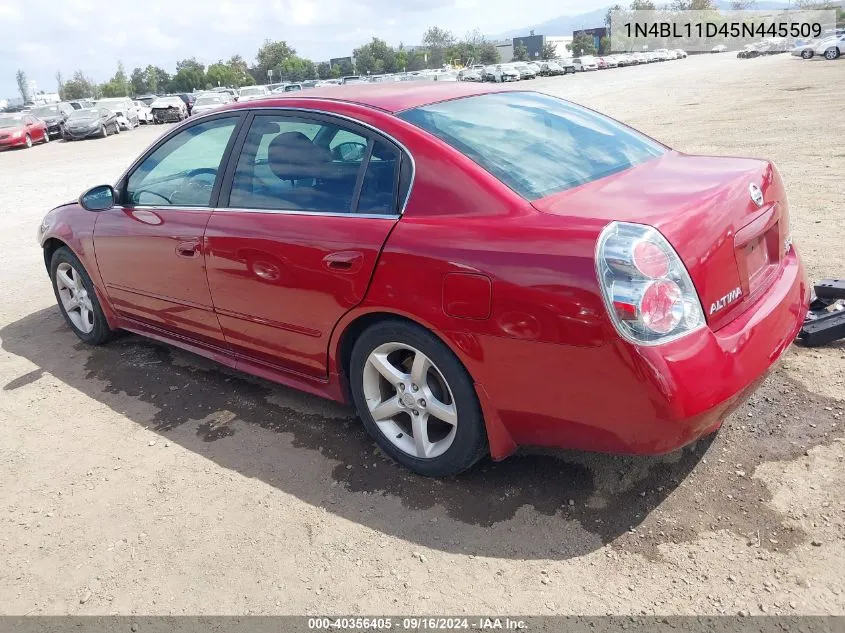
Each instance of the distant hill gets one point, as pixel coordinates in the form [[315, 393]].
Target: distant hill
[[566, 24]]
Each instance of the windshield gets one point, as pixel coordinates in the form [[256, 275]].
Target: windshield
[[252, 91], [166, 101], [210, 100], [77, 115], [535, 144], [10, 121], [46, 111]]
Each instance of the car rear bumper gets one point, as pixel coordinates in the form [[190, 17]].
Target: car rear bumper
[[623, 398]]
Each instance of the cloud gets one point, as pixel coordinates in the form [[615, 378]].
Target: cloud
[[92, 35]]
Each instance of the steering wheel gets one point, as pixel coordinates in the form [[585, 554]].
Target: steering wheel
[[137, 195], [192, 187]]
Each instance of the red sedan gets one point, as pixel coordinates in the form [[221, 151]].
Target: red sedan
[[475, 269], [19, 129]]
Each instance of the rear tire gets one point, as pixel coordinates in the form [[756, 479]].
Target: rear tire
[[448, 422], [807, 54], [88, 322], [831, 53]]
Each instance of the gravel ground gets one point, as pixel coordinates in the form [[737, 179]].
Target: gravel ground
[[136, 478]]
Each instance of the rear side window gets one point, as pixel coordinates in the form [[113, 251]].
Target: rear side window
[[535, 144]]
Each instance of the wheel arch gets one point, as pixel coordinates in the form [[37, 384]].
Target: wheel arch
[[499, 440]]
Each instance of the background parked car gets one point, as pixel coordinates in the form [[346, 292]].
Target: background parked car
[[81, 104], [251, 93], [54, 115], [585, 63], [146, 99], [89, 122], [501, 72], [169, 110], [524, 70], [719, 48], [188, 99], [21, 129], [124, 108], [470, 74], [831, 49], [210, 101], [145, 113]]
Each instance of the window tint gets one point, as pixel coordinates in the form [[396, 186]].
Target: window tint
[[182, 171], [289, 163], [535, 144], [378, 190]]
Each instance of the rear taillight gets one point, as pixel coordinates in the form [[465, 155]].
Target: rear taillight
[[645, 285]]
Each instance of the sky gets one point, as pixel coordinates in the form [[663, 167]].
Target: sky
[[43, 36]]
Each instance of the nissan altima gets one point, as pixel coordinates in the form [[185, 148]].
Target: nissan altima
[[474, 268]]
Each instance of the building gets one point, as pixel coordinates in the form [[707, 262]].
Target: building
[[534, 44], [505, 48], [560, 43], [596, 34]]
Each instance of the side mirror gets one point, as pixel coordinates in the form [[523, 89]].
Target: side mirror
[[98, 198]]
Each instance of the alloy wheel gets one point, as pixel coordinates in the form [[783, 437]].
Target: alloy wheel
[[74, 297], [410, 400], [28, 140]]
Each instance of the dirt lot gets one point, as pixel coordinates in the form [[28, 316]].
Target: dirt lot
[[135, 478]]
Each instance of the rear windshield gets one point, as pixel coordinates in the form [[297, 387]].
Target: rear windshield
[[537, 145]]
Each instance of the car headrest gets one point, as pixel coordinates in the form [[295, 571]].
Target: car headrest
[[292, 156]]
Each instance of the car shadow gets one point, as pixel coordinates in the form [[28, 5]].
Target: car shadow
[[540, 505]]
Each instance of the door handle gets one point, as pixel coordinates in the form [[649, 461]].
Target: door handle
[[344, 261], [190, 248]]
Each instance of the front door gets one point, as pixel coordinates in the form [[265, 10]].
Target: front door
[[149, 247], [294, 241]]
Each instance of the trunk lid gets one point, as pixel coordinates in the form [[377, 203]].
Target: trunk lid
[[731, 245]]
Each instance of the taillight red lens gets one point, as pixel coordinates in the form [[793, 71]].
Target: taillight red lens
[[650, 260], [661, 307]]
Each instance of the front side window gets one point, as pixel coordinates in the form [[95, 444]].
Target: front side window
[[182, 171], [300, 164], [535, 144]]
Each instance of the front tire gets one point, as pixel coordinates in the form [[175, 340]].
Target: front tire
[[807, 54], [831, 53], [77, 299], [416, 399], [104, 132], [28, 141]]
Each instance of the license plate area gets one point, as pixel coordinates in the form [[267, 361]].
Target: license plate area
[[761, 258]]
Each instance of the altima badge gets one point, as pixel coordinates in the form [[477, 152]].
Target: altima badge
[[756, 194]]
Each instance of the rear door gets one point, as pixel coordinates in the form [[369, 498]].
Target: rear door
[[307, 205]]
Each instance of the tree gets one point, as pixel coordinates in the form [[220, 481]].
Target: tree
[[240, 69], [607, 16], [23, 88], [324, 70], [345, 68], [743, 5], [549, 51], [376, 58], [297, 69], [187, 79], [271, 56], [117, 86], [642, 5], [692, 5], [78, 87], [437, 40], [220, 74], [520, 52], [416, 61], [583, 44], [190, 63], [604, 45]]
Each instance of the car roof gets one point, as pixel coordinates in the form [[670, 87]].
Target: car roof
[[390, 96]]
